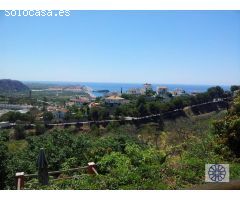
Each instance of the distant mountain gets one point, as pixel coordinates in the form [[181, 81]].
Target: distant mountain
[[7, 85]]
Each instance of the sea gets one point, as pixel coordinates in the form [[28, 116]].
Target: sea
[[117, 87]]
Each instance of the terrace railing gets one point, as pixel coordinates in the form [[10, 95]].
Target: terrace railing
[[43, 173]]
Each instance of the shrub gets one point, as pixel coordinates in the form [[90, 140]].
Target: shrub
[[19, 132]]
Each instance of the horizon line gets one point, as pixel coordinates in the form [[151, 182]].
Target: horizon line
[[153, 83]]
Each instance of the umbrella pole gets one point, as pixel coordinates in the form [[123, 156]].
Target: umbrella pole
[[43, 177]]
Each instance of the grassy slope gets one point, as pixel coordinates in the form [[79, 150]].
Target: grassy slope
[[176, 131], [189, 144]]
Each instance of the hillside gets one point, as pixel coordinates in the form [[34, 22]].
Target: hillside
[[7, 85]]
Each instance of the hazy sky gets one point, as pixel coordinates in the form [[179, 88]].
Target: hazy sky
[[188, 47]]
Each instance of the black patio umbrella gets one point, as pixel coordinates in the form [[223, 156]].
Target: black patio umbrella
[[42, 166]]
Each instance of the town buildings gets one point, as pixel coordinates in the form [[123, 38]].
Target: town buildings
[[162, 90], [115, 100], [147, 87], [15, 107], [93, 105], [178, 92], [4, 108], [78, 101], [58, 112], [136, 91], [109, 94]]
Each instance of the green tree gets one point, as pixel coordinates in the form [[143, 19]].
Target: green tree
[[177, 103], [3, 164], [154, 108], [47, 116], [140, 100], [104, 114], [215, 92], [69, 116], [94, 114], [19, 132], [234, 88], [11, 116], [4, 135], [202, 98], [40, 129], [228, 129], [150, 93], [142, 109]]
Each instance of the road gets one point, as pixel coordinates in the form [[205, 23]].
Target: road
[[128, 118]]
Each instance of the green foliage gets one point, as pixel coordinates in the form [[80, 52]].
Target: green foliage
[[19, 132], [40, 129], [69, 163], [125, 161], [144, 105], [15, 146], [118, 170], [122, 161], [112, 126], [228, 129], [47, 116], [98, 114], [177, 103], [3, 165], [129, 96], [141, 101], [17, 116], [150, 92], [234, 171], [58, 145], [4, 135], [215, 92], [154, 108], [127, 110], [142, 109], [234, 88]]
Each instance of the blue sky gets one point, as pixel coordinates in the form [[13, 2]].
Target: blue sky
[[178, 47]]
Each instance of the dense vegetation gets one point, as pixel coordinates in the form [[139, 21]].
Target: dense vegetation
[[228, 128], [169, 154], [147, 157]]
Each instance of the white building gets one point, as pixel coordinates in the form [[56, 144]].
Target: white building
[[59, 114], [5, 124], [178, 92], [115, 100], [15, 107], [162, 90], [147, 87], [136, 91], [109, 94], [78, 101]]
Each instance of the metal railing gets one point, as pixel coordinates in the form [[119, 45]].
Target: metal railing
[[21, 176]]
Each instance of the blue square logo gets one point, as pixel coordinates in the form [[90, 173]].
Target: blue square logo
[[216, 173]]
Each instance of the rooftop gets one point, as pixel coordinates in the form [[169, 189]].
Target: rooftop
[[115, 97]]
